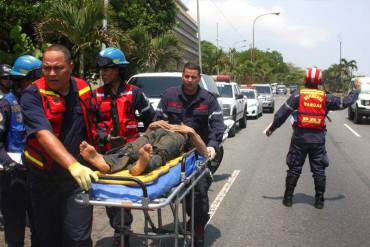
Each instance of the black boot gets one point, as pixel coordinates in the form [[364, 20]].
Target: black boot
[[291, 182], [320, 183]]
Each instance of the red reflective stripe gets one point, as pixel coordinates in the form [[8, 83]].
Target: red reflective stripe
[[174, 104], [201, 107]]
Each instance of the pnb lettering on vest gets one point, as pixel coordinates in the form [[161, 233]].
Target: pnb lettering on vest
[[311, 109]]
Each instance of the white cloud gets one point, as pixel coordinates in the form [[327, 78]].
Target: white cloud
[[235, 18]]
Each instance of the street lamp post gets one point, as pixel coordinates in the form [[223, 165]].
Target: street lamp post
[[254, 22], [199, 40]]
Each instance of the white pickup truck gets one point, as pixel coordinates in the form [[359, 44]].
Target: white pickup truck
[[233, 104]]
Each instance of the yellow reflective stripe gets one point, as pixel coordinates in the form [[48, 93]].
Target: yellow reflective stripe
[[33, 159], [84, 90], [312, 91], [49, 92]]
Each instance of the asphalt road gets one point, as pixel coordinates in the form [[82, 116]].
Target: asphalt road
[[247, 191]]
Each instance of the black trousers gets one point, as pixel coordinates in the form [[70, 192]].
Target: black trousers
[[297, 155], [59, 220], [16, 206]]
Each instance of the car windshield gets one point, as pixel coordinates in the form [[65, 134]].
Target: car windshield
[[263, 89], [154, 86], [225, 90], [281, 86], [365, 87], [249, 94]]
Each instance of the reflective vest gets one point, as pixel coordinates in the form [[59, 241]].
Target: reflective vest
[[54, 106], [16, 134], [118, 116], [311, 109]]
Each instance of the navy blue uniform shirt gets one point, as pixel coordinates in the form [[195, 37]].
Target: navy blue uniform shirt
[[306, 135], [5, 114], [73, 127], [201, 112]]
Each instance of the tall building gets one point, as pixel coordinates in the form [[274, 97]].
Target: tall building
[[187, 30]]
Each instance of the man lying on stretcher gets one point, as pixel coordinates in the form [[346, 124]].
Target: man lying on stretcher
[[160, 143]]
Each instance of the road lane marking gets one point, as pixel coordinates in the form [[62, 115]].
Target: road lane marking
[[354, 132], [221, 195], [264, 132]]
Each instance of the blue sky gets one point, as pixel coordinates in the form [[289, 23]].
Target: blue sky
[[307, 32]]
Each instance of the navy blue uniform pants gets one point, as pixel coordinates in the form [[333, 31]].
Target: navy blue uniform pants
[[59, 220], [297, 155], [201, 201], [15, 207]]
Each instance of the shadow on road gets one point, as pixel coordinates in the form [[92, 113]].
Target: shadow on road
[[220, 177], [301, 198], [212, 234]]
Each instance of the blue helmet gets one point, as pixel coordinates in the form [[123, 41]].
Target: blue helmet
[[26, 66], [111, 57]]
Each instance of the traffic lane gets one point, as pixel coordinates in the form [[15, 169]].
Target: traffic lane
[[355, 148], [252, 213]]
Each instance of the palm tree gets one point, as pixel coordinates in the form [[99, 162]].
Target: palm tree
[[348, 66], [79, 22]]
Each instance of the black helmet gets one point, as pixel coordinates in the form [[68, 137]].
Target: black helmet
[[5, 71]]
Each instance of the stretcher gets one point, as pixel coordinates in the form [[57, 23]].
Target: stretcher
[[169, 189]]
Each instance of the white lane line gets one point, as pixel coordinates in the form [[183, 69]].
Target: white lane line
[[354, 132], [221, 195], [264, 132]]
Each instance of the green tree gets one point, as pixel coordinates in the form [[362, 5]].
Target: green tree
[[155, 16], [78, 22]]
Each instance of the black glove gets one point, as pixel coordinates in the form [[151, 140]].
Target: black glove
[[116, 141]]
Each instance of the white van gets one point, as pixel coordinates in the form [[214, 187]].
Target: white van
[[362, 106]]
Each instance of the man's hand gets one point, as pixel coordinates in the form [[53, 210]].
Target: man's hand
[[357, 84], [269, 132], [160, 124], [82, 175], [211, 153], [182, 129]]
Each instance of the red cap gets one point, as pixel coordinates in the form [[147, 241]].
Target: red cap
[[313, 75]]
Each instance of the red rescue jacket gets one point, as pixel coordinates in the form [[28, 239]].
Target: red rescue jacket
[[312, 109], [118, 116], [55, 107]]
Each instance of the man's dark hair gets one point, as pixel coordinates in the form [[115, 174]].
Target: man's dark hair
[[61, 48], [191, 66]]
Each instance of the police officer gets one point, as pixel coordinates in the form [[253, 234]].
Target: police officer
[[118, 103], [309, 108], [195, 107], [15, 194], [56, 110], [5, 82]]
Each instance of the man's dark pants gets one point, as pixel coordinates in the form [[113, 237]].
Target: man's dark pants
[[59, 220], [317, 156], [16, 206]]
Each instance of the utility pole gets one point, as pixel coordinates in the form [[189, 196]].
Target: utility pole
[[199, 40], [218, 70], [105, 21]]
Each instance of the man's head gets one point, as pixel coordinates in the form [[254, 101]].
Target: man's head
[[5, 81], [57, 68], [190, 78], [25, 70], [313, 77], [111, 62]]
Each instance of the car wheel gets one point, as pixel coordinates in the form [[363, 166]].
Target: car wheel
[[357, 117], [215, 163], [243, 121], [350, 113], [232, 131]]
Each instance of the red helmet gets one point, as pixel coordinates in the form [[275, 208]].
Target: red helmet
[[313, 75]]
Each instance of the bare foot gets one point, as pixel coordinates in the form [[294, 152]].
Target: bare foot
[[145, 156], [89, 154]]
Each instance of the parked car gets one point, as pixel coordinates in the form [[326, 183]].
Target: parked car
[[233, 104], [154, 84], [281, 89], [293, 88], [254, 104], [265, 94], [362, 106]]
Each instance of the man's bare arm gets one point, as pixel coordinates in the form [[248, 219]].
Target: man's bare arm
[[198, 143], [55, 148]]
